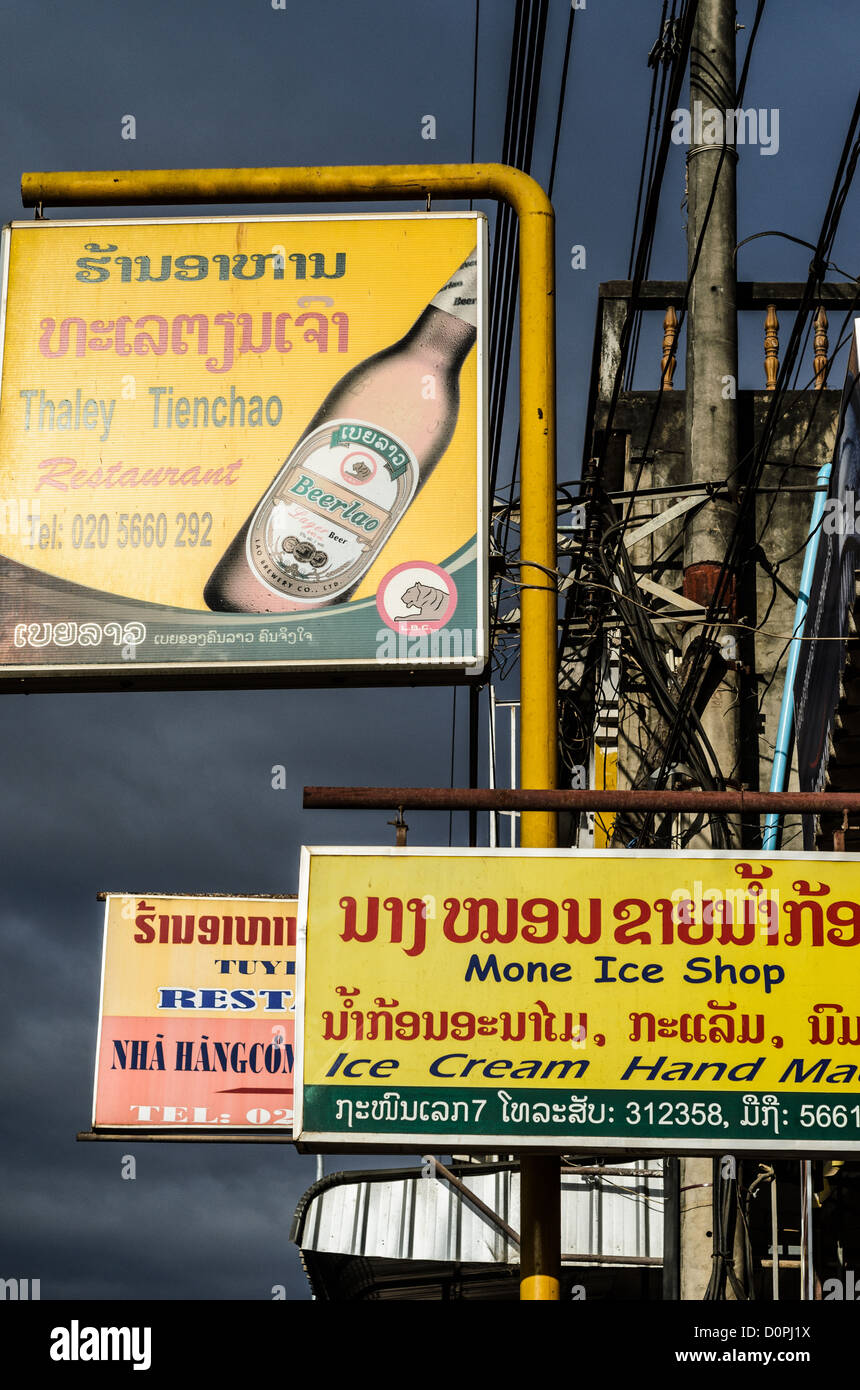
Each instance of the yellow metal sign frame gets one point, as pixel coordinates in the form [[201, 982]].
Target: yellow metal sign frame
[[422, 182], [126, 188]]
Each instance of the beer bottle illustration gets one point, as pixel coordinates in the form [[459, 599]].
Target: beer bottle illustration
[[356, 469]]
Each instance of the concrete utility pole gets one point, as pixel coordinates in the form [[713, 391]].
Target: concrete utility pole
[[711, 404]]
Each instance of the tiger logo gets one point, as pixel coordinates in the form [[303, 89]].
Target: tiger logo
[[430, 602]]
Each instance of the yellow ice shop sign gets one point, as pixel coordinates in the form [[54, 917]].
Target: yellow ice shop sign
[[579, 1000], [250, 444]]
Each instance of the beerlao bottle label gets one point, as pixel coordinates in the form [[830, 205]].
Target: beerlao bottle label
[[348, 482], [330, 510]]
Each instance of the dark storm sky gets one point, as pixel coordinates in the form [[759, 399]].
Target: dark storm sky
[[172, 792]]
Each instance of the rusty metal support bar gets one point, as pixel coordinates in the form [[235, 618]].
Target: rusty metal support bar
[[523, 799], [473, 1201], [595, 1170], [652, 1260]]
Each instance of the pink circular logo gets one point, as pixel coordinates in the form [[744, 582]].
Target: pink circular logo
[[416, 597], [359, 467]]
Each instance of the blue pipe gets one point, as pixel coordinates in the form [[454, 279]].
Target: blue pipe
[[781, 757]]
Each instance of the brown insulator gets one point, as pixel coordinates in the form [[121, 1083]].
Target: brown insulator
[[771, 348], [670, 340], [822, 346]]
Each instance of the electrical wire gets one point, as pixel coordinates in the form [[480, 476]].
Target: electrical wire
[[643, 257], [836, 203], [475, 85], [839, 190], [508, 283], [653, 126], [639, 261], [517, 148], [453, 746]]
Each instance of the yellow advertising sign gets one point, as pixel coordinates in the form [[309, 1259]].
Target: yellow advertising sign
[[197, 1017], [578, 1000], [251, 444]]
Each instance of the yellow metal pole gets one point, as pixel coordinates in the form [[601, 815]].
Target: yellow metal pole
[[540, 1177], [540, 1195]]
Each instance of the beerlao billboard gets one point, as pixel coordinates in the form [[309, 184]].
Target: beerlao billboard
[[197, 1015], [243, 448], [578, 1001]]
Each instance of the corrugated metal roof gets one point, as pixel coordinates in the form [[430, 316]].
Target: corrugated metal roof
[[400, 1214]]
